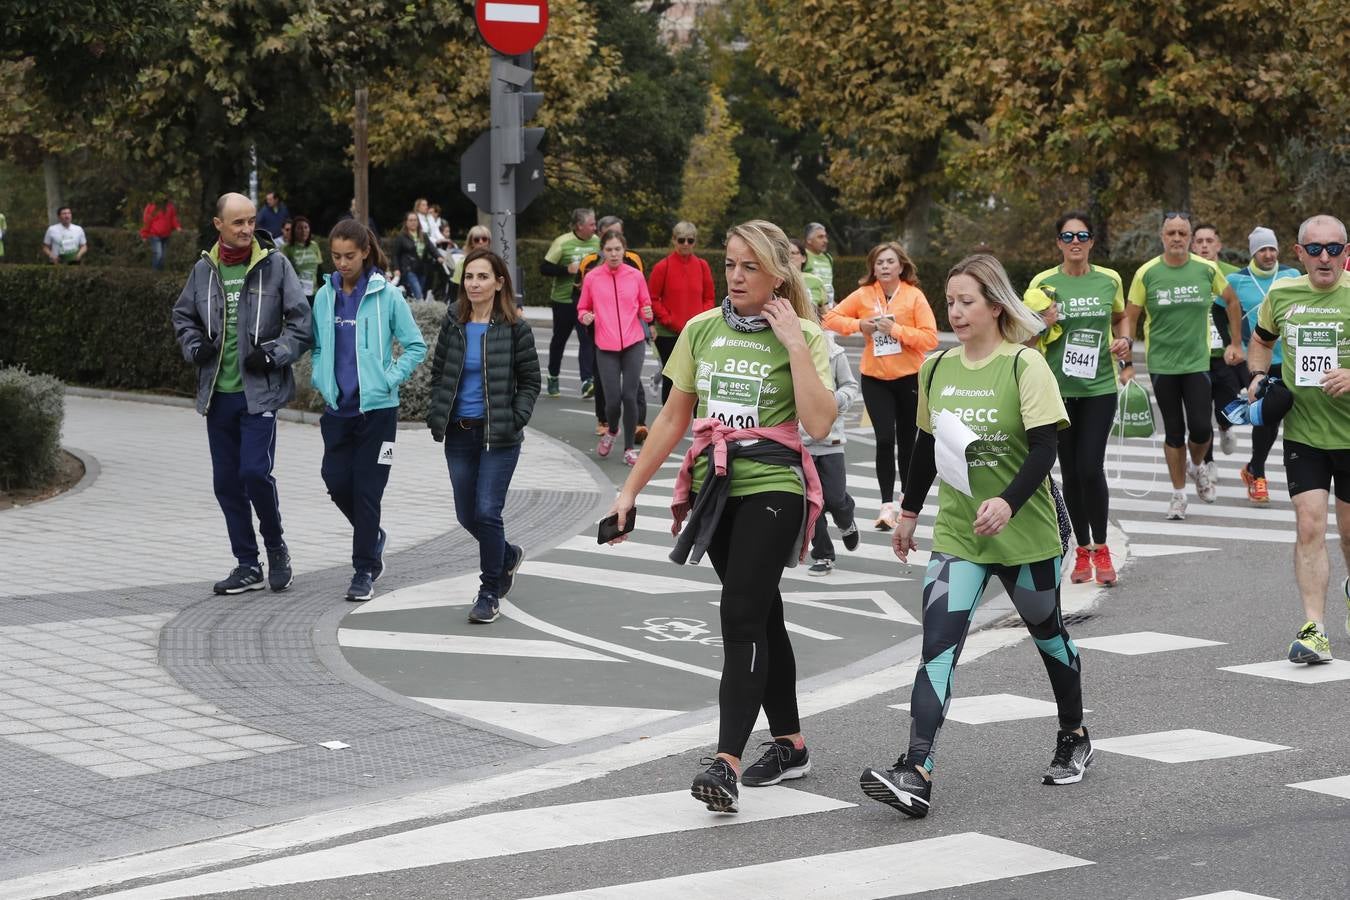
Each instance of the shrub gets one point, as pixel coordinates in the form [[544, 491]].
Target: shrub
[[32, 408]]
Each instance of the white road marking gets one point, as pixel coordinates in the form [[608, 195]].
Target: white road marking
[[1301, 673], [1224, 532], [461, 590], [1336, 787], [496, 835], [995, 708], [800, 629], [894, 870], [615, 579], [1184, 745], [1143, 551], [1137, 643], [561, 723], [362, 639], [887, 607]]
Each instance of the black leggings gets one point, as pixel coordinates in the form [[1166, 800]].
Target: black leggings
[[893, 405], [1225, 383], [564, 322], [1082, 462], [1183, 402], [951, 592], [1263, 436], [749, 550]]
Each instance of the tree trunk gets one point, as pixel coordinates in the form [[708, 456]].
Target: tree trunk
[[361, 158], [916, 224], [55, 185], [1176, 185], [1098, 184]]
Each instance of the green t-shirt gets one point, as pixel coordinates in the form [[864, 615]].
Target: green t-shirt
[[1218, 315], [746, 381], [999, 398], [816, 288], [821, 265], [568, 249], [229, 380], [1177, 300], [306, 262], [1298, 312], [1087, 302]]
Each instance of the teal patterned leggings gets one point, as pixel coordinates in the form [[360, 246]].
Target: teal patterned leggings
[[951, 592]]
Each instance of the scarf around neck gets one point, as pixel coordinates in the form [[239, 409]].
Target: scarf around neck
[[738, 322], [231, 256]]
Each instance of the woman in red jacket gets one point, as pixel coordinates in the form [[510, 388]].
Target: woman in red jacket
[[681, 286], [158, 222]]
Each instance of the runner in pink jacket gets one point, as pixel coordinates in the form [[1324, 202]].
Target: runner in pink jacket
[[615, 298]]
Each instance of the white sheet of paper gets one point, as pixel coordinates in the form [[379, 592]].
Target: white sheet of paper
[[952, 437]]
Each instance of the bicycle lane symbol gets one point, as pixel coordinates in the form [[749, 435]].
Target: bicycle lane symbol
[[668, 628]]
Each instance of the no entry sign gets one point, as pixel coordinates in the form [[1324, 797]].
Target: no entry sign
[[511, 27]]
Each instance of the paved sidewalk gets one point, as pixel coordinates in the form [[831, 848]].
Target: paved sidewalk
[[138, 710]]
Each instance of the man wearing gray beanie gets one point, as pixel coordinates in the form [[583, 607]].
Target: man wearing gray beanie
[[1251, 283]]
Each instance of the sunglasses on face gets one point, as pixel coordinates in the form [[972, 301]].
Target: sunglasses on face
[[482, 240], [1315, 250], [685, 240], [1067, 237]]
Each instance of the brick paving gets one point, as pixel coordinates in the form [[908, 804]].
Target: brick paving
[[137, 709]]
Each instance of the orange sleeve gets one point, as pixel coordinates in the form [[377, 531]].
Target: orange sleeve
[[922, 335], [843, 319]]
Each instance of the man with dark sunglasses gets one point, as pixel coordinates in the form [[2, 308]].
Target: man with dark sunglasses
[[1310, 317], [1177, 289]]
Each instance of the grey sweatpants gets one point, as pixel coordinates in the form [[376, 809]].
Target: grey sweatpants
[[621, 374]]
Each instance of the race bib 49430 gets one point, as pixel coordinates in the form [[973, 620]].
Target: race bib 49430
[[734, 399]]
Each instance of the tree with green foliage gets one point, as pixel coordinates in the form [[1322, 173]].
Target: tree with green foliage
[[711, 171]]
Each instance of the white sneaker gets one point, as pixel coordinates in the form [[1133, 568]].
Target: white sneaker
[[888, 518], [1205, 478], [1176, 510], [1228, 442]]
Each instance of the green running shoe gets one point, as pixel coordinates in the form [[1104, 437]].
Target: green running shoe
[[1310, 646], [553, 390]]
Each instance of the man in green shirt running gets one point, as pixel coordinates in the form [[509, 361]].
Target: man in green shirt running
[[818, 259], [1177, 289], [1310, 315], [561, 262]]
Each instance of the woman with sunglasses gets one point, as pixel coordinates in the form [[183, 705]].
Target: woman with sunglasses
[[478, 238], [898, 324], [1177, 289], [1089, 307], [681, 286]]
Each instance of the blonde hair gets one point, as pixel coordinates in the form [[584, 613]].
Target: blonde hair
[[770, 245], [478, 231], [1018, 323]]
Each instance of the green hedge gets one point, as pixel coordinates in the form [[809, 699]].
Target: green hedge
[[32, 408], [91, 325]]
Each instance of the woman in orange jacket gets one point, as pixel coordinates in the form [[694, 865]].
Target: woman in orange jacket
[[894, 316]]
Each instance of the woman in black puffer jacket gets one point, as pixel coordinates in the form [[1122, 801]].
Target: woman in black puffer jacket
[[484, 382]]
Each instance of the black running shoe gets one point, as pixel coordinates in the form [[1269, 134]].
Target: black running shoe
[[850, 536], [715, 787], [485, 609], [515, 555], [242, 578], [901, 787], [279, 575], [380, 543], [780, 761], [362, 587], [1073, 754]]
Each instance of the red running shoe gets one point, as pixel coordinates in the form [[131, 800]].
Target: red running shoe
[[1101, 561], [1082, 566]]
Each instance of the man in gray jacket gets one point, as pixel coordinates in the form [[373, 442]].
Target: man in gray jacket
[[243, 321]]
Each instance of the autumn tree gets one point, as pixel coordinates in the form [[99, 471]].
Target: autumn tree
[[711, 171]]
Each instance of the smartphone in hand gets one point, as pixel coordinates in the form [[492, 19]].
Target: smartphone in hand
[[609, 527]]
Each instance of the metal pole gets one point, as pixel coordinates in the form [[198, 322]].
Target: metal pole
[[503, 178], [361, 159]]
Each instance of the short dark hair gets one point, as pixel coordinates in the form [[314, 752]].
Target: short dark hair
[[61, 209], [1070, 215], [1196, 228]]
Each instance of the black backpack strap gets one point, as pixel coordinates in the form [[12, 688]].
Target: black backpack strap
[[928, 385]]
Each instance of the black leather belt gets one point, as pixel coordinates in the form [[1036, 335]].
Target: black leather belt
[[466, 424]]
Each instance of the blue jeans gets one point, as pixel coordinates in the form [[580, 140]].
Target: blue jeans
[[479, 479], [158, 247], [413, 283]]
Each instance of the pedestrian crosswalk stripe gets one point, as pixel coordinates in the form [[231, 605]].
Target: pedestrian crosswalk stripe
[[884, 606], [1231, 895], [1284, 670], [1278, 517], [615, 579], [496, 835], [1183, 745], [362, 639], [990, 708], [1336, 787], [461, 590], [1143, 551], [559, 723], [1194, 530], [1137, 643], [892, 870], [799, 629]]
